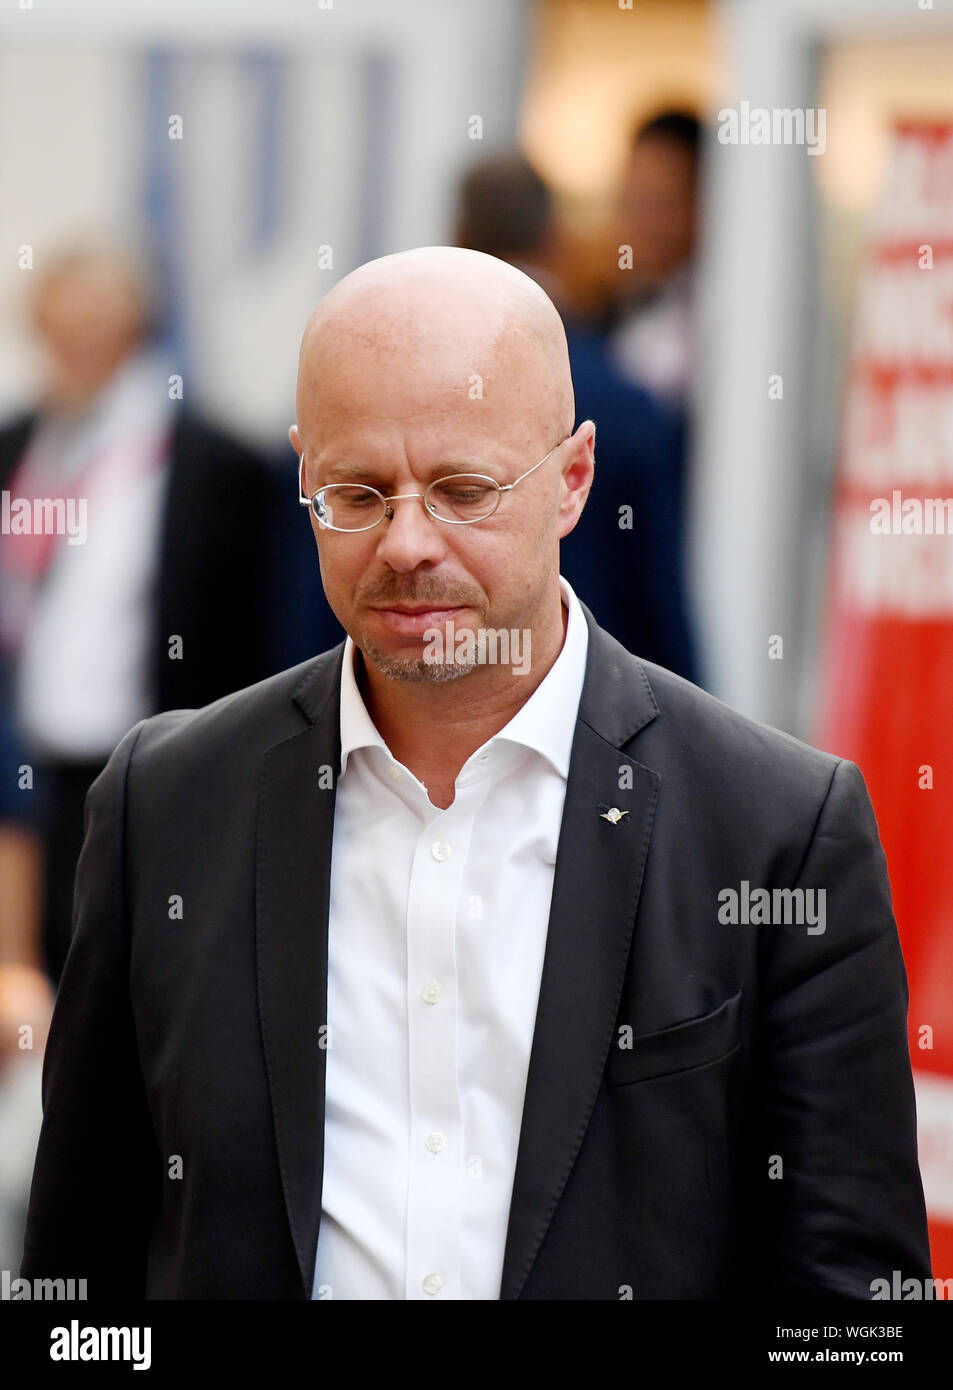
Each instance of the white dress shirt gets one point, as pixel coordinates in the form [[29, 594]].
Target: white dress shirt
[[437, 931], [654, 345]]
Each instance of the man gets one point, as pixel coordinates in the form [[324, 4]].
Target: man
[[360, 951], [657, 213], [123, 618]]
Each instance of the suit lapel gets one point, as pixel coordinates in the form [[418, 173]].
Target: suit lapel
[[295, 823], [596, 887]]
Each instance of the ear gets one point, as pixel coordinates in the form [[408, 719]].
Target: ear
[[577, 476], [295, 439]]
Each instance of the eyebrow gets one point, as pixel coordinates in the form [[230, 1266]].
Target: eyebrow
[[347, 472]]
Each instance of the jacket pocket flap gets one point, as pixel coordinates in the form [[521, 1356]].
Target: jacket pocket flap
[[686, 1045]]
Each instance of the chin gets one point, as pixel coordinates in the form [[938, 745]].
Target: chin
[[412, 668]]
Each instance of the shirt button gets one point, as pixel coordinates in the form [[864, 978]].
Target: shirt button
[[431, 992], [397, 775], [432, 1283], [440, 850], [436, 1142]]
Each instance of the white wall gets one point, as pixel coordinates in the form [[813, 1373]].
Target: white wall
[[374, 106]]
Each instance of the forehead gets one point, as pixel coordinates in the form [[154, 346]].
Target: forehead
[[420, 388], [453, 413], [373, 458], [418, 361]]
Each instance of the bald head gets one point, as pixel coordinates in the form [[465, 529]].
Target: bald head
[[424, 329]]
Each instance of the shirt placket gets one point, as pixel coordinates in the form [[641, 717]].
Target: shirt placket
[[436, 1157]]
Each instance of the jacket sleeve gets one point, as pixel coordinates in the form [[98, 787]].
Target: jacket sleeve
[[844, 1206], [97, 1175]]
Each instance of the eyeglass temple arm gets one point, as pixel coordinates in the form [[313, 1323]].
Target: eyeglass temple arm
[[507, 487], [302, 500]]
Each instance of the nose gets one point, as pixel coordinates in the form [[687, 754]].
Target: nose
[[411, 537]]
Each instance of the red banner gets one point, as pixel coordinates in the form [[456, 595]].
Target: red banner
[[888, 692]]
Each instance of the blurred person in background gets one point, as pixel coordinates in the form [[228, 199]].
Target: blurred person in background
[[25, 995], [156, 601], [625, 564], [652, 337], [26, 999], [650, 320]]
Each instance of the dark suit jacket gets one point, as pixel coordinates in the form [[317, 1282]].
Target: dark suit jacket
[[645, 1168], [213, 562]]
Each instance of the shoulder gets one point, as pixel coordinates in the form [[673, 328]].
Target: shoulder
[[739, 786], [718, 750], [203, 445], [240, 726], [620, 406]]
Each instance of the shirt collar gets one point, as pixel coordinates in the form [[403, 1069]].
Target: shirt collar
[[545, 723]]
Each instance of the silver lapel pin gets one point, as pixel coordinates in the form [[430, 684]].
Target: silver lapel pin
[[613, 815]]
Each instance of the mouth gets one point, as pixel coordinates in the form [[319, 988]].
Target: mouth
[[411, 619]]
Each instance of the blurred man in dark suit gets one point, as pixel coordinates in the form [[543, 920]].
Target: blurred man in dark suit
[[653, 319], [156, 599]]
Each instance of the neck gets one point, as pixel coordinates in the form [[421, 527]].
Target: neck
[[433, 728]]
